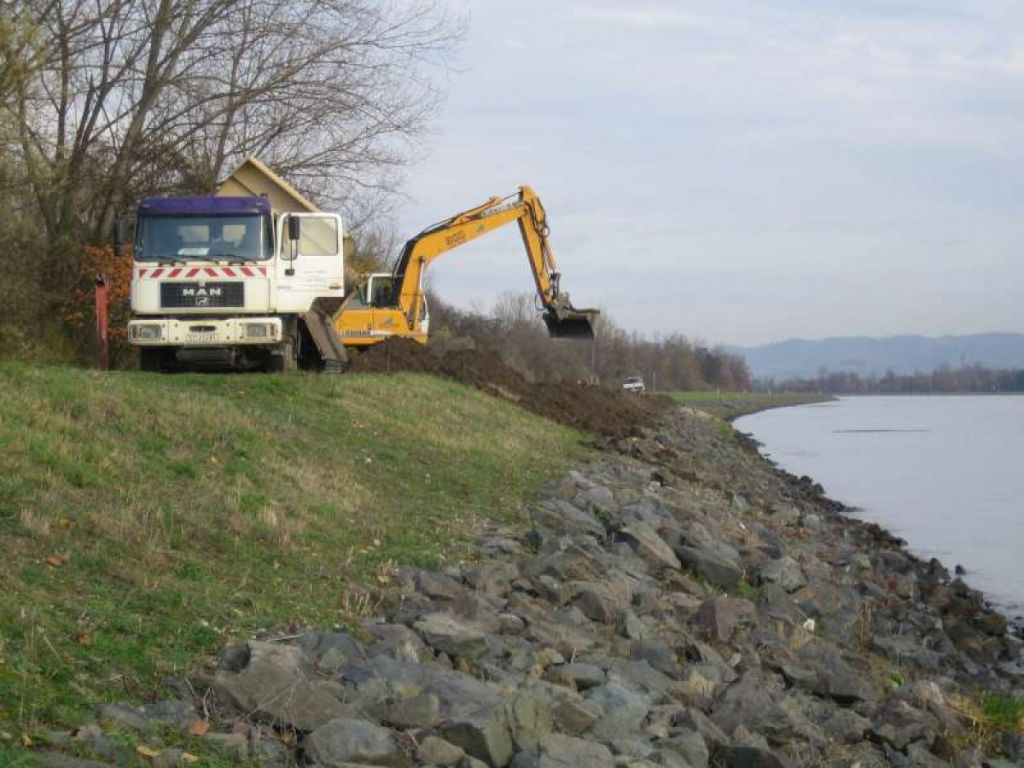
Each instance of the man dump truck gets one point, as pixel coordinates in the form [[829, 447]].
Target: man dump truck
[[252, 278]]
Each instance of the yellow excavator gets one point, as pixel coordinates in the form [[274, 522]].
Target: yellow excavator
[[394, 304]]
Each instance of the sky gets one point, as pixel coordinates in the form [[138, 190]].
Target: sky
[[742, 172]]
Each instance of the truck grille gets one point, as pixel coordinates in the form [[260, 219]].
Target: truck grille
[[201, 295]]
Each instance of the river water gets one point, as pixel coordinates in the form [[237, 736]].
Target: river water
[[944, 472]]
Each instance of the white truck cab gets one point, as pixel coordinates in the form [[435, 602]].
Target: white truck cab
[[229, 282]]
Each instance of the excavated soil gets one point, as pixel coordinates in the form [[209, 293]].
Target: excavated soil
[[594, 409]]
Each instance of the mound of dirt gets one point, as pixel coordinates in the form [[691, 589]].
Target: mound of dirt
[[594, 409]]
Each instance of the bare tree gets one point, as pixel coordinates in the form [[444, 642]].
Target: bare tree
[[132, 97]]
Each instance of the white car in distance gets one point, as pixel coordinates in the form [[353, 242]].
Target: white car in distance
[[634, 384]]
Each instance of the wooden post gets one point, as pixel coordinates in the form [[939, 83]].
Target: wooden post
[[102, 302]]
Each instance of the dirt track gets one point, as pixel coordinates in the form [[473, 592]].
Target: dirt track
[[595, 409]]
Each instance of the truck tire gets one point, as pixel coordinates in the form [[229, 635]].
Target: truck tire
[[283, 359], [151, 360]]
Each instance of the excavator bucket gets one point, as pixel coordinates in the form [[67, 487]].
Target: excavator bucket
[[571, 323]]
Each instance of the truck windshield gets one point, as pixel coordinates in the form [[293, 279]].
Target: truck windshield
[[179, 238]]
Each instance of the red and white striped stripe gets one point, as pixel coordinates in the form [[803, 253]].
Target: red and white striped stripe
[[201, 272]]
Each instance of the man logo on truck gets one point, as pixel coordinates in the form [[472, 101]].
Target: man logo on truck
[[202, 292]]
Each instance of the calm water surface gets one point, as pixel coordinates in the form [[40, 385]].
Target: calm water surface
[[946, 473]]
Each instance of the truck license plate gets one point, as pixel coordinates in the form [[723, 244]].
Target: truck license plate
[[201, 336]]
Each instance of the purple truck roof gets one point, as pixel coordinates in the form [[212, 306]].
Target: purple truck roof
[[204, 205]]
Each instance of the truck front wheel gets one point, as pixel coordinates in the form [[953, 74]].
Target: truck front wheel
[[153, 360], [283, 358]]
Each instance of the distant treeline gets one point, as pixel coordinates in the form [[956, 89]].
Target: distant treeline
[[514, 329], [968, 379]]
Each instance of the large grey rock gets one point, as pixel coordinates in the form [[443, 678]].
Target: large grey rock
[[575, 716], [898, 724], [694, 720], [433, 750], [756, 703], [348, 740], [578, 562], [558, 629], [903, 649], [784, 571], [921, 757], [652, 511], [837, 678], [459, 637], [529, 719], [602, 601], [482, 735], [746, 757], [264, 753], [583, 675], [649, 545], [171, 713], [633, 626], [622, 709], [846, 726], [474, 718], [329, 650], [691, 746], [659, 655], [719, 617], [472, 712], [493, 578], [395, 641], [717, 568], [560, 515], [560, 751], [438, 586], [234, 744], [597, 498], [779, 603], [423, 711], [639, 676], [277, 683]]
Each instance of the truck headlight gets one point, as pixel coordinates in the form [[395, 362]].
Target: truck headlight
[[259, 330], [148, 332]]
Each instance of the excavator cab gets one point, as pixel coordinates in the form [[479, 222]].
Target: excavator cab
[[380, 289]]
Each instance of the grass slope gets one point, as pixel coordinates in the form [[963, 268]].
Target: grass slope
[[145, 520]]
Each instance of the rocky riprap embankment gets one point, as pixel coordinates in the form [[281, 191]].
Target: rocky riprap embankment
[[676, 603]]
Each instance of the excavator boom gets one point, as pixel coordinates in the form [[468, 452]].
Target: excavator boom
[[563, 320]]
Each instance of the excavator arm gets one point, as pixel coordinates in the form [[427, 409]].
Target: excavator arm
[[562, 319]]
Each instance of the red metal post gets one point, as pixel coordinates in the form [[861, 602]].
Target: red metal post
[[102, 300]]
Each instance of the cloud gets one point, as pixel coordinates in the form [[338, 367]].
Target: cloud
[[799, 148], [638, 18]]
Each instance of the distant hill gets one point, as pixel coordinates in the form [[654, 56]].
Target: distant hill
[[800, 358]]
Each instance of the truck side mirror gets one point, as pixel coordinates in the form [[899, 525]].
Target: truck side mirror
[[290, 253], [119, 237]]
